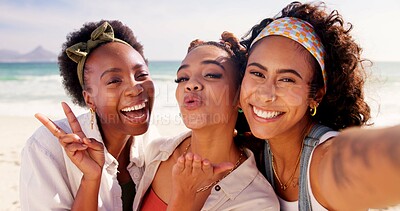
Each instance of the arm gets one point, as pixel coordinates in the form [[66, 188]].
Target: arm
[[358, 169], [87, 154]]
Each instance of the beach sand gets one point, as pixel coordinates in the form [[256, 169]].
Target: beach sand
[[14, 131]]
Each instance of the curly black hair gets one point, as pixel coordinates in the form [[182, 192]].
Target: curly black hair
[[68, 68], [343, 104]]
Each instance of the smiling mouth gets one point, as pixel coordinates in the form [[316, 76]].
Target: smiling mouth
[[266, 114], [135, 112]]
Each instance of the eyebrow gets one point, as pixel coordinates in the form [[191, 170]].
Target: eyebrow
[[111, 70], [203, 62], [213, 62], [279, 71], [257, 65], [117, 70]]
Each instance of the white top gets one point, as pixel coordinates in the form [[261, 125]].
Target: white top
[[293, 205], [49, 180], [243, 189]]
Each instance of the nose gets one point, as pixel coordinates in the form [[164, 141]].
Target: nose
[[193, 85], [266, 92], [134, 89]]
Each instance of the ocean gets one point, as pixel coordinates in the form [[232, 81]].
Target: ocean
[[29, 88]]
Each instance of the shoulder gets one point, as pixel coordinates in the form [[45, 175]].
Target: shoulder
[[164, 146], [256, 191]]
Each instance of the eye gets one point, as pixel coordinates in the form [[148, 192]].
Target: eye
[[113, 81], [181, 79], [213, 75], [288, 80], [142, 75], [258, 74]]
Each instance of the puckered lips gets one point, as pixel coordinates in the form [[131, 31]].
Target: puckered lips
[[137, 112], [266, 115], [192, 101]]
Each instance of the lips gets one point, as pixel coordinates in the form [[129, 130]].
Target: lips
[[266, 114], [192, 101], [136, 113]]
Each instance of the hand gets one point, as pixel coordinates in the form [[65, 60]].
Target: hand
[[86, 153], [191, 173]]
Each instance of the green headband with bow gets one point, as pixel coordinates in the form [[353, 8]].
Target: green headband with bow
[[79, 52]]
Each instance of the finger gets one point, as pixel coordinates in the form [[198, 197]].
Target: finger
[[69, 138], [73, 147], [197, 164], [188, 161], [222, 167], [93, 144], [180, 164], [72, 120], [50, 125]]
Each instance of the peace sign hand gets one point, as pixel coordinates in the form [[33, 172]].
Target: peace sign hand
[[86, 153]]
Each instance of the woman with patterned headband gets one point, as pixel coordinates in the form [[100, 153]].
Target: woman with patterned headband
[[104, 69], [303, 82]]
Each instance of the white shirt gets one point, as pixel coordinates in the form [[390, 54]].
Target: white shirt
[[49, 180], [243, 189]]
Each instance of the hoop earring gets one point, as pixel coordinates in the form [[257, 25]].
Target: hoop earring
[[313, 111], [92, 116], [240, 110]]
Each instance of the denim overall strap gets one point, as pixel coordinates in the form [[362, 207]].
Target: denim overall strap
[[310, 142], [267, 155]]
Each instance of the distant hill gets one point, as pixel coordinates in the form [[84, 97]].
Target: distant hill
[[39, 54]]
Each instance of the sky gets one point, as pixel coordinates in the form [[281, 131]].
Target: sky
[[165, 28]]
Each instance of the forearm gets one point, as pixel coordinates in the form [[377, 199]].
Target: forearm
[[361, 167], [87, 196]]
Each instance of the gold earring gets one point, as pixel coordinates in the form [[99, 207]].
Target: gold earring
[[313, 111], [92, 118]]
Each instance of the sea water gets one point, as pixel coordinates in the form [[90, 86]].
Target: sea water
[[29, 88]]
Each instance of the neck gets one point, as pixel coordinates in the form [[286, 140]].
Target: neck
[[289, 143], [115, 142], [215, 143]]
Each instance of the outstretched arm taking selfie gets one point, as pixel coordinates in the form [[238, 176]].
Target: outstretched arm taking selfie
[[359, 168]]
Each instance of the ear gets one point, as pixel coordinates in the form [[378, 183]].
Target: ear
[[318, 97], [88, 99]]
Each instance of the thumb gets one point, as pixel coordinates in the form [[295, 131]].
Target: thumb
[[222, 167], [93, 144]]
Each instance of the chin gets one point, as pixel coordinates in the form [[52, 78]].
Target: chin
[[138, 129]]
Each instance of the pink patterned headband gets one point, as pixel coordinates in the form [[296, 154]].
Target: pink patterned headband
[[301, 32]]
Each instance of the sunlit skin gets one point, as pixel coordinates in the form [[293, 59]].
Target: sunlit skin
[[206, 88], [117, 78], [206, 94], [275, 99]]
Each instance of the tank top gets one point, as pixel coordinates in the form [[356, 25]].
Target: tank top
[[310, 142]]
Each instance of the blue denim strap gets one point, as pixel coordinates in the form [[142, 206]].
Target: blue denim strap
[[310, 142], [267, 155]]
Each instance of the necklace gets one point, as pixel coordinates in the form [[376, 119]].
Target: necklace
[[186, 149], [215, 182], [275, 169]]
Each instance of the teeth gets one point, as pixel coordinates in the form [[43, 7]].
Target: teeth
[[134, 108], [266, 114]]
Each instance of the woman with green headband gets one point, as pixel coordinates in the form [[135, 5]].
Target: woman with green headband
[[103, 69], [303, 82]]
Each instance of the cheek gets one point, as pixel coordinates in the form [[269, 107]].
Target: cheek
[[245, 89], [294, 96], [148, 86]]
